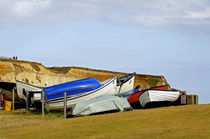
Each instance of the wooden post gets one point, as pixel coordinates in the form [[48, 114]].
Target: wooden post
[[64, 105], [13, 99], [42, 103], [27, 102], [0, 99]]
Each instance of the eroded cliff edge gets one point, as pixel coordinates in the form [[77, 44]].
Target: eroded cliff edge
[[36, 74]]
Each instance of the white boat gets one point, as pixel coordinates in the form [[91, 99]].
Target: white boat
[[160, 97], [22, 88], [108, 87], [125, 85]]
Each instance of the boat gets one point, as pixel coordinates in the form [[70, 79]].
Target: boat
[[7, 88], [22, 88], [134, 98], [77, 91], [3, 98], [125, 85], [153, 98], [100, 105]]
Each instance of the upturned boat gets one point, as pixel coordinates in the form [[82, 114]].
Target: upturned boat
[[158, 98], [22, 88], [134, 98], [77, 91]]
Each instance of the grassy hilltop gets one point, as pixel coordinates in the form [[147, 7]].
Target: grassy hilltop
[[188, 122]]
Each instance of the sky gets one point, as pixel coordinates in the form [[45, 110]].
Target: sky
[[156, 37]]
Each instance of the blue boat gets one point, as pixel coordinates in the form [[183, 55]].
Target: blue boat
[[71, 88], [78, 91]]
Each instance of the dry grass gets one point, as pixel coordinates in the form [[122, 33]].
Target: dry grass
[[172, 122]]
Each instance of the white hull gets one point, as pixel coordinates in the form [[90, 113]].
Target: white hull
[[108, 87], [126, 88], [27, 87], [158, 96]]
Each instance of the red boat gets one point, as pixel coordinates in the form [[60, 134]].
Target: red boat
[[134, 98], [3, 99]]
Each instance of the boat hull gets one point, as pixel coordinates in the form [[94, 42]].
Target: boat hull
[[22, 88], [126, 88], [134, 98], [108, 87], [160, 97], [71, 88]]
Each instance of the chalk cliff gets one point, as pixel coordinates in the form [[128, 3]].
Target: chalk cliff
[[36, 74]]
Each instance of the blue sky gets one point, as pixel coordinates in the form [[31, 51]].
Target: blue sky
[[158, 37]]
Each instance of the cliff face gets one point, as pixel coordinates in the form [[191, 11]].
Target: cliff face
[[36, 74], [32, 73]]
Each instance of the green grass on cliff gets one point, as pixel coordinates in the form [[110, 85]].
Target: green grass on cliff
[[188, 122]]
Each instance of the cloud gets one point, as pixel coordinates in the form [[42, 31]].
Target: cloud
[[169, 14], [25, 8], [22, 8]]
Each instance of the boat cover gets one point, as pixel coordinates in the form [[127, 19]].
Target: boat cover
[[101, 104], [72, 88]]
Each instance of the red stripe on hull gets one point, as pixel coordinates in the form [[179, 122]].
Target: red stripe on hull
[[72, 90]]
